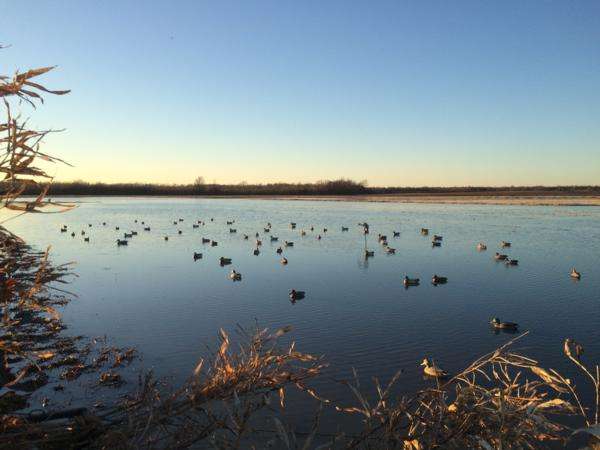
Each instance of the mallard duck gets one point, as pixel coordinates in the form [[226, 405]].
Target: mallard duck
[[396, 233], [146, 228], [63, 230], [424, 231], [504, 244], [296, 295], [369, 253], [230, 222], [205, 240], [235, 276], [481, 246], [246, 237], [86, 239], [258, 242], [197, 256], [381, 238], [575, 274], [289, 244], [344, 229], [134, 233], [511, 262], [175, 222], [495, 322], [274, 238], [438, 280], [500, 257], [180, 219], [267, 230], [437, 237], [213, 243], [232, 230], [127, 235], [410, 281], [432, 370], [279, 250], [303, 233], [390, 250], [436, 244], [283, 261], [121, 242], [256, 252], [224, 261], [195, 225]]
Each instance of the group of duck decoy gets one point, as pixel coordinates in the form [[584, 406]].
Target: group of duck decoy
[[297, 295]]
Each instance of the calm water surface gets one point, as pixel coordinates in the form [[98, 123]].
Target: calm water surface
[[152, 295]]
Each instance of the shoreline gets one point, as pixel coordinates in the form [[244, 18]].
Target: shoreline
[[446, 199]]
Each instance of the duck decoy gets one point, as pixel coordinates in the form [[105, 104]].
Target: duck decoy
[[213, 243], [424, 231], [481, 247], [205, 240], [256, 252], [500, 257], [197, 256], [344, 229], [369, 253], [279, 250], [283, 261], [410, 281], [289, 244], [396, 233], [297, 295], [235, 276], [432, 370], [496, 323], [224, 261], [121, 242], [505, 244], [575, 274], [438, 280]]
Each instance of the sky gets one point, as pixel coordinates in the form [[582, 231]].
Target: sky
[[400, 93]]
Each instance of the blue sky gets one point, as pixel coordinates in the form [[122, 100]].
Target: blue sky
[[395, 92]]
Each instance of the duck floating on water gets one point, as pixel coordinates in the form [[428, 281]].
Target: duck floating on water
[[575, 274], [213, 243], [344, 229], [424, 231], [205, 240], [146, 228], [86, 239], [121, 242], [283, 261], [496, 323], [430, 369], [289, 244], [481, 247], [297, 295], [197, 256], [396, 233], [224, 261], [437, 237], [511, 262], [505, 244], [274, 238], [279, 250], [436, 244], [256, 252], [369, 253], [500, 257], [235, 276], [435, 279], [232, 230], [390, 250]]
